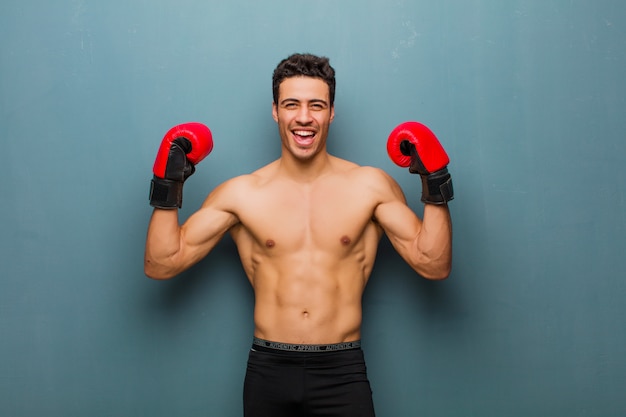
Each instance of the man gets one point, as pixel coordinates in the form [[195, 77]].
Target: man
[[307, 227]]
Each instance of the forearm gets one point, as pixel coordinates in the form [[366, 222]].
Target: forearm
[[434, 242], [163, 244], [183, 146], [414, 145]]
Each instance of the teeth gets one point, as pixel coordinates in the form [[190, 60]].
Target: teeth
[[303, 133]]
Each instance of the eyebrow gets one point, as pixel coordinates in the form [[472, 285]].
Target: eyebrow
[[313, 101]]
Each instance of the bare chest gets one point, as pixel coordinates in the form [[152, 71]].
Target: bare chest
[[323, 217]]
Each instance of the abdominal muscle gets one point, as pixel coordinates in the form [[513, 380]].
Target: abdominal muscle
[[308, 302]]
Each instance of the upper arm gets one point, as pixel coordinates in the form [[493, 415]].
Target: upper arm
[[204, 229], [171, 249], [425, 244], [401, 225]]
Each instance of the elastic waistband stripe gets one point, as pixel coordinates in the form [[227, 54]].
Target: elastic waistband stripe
[[306, 348]]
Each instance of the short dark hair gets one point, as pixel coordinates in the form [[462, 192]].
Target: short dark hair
[[304, 65]]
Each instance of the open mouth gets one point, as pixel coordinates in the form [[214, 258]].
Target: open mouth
[[303, 137]]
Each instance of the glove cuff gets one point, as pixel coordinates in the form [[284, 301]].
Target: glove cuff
[[437, 187], [166, 194]]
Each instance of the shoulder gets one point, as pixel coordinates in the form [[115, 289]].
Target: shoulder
[[247, 181], [374, 177], [231, 190], [371, 173], [373, 180], [383, 185], [234, 192], [352, 169]]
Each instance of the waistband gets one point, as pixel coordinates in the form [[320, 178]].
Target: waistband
[[290, 347]]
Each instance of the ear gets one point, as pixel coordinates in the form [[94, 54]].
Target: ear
[[275, 112], [332, 113]]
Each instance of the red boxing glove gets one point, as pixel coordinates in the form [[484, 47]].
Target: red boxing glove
[[182, 147], [413, 145]]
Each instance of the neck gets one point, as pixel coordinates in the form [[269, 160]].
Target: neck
[[306, 170]]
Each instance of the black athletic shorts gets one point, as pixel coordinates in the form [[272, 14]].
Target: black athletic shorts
[[285, 380]]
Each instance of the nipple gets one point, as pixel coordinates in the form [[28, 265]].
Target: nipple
[[345, 240], [270, 243]]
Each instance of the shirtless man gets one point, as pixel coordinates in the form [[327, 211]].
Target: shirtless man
[[306, 227]]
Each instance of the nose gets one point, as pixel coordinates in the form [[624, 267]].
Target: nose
[[304, 115]]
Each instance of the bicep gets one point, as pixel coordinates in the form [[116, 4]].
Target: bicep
[[392, 213], [205, 228], [400, 223], [425, 244]]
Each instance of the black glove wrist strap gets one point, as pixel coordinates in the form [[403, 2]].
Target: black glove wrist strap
[[166, 194], [437, 187]]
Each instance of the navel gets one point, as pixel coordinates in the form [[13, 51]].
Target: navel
[[345, 240], [270, 243]]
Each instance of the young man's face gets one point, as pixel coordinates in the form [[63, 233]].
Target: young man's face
[[304, 115]]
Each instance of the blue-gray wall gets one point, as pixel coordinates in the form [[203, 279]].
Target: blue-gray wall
[[528, 96]]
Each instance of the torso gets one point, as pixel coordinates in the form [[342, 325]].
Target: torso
[[308, 250]]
